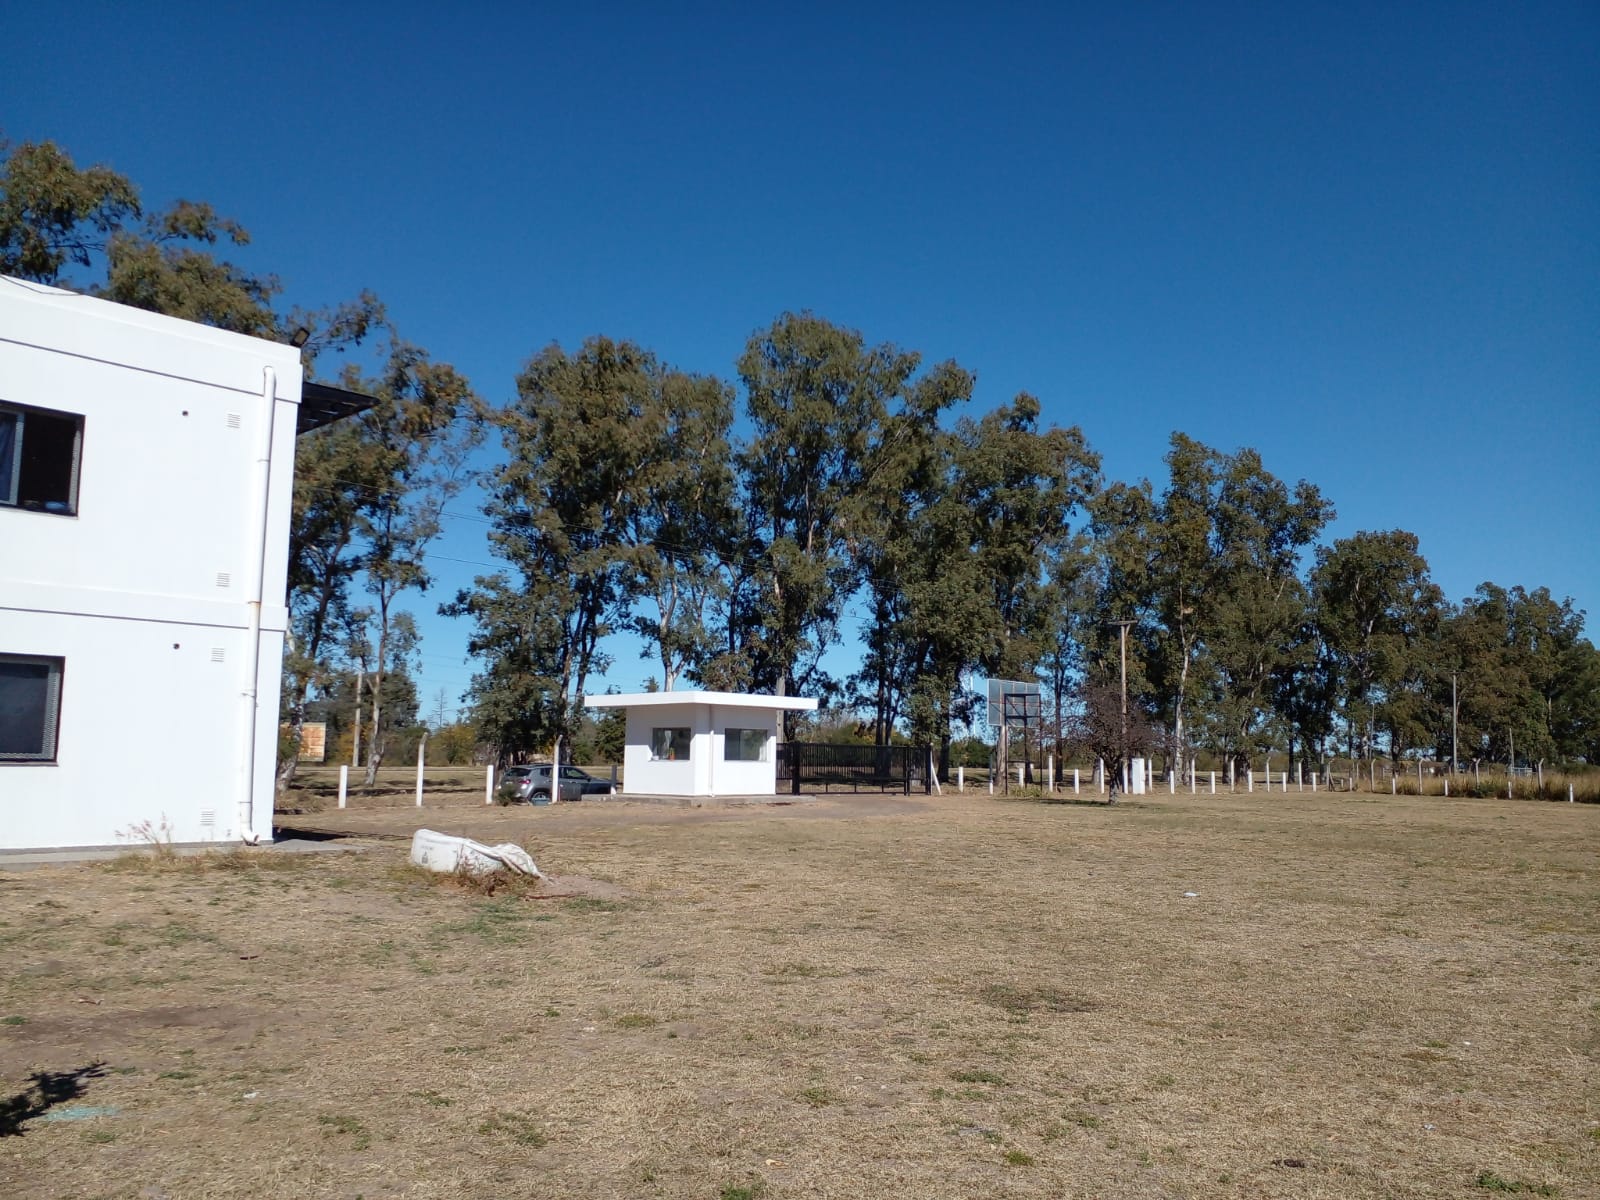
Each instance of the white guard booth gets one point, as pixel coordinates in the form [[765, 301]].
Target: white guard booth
[[701, 743]]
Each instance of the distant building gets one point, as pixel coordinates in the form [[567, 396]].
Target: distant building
[[146, 473], [700, 743]]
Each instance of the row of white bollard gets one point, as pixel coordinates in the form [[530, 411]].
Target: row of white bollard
[[344, 782]]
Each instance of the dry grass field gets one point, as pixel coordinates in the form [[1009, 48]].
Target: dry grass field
[[943, 997]]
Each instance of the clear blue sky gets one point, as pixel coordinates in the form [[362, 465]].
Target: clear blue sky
[[1364, 241]]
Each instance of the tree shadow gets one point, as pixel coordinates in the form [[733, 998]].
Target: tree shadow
[[47, 1089]]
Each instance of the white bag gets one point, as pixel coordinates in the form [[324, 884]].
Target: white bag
[[444, 853]]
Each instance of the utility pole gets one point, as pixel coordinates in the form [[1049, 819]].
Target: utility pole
[[1455, 755]]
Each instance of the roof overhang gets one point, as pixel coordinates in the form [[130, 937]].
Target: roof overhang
[[322, 404], [720, 699]]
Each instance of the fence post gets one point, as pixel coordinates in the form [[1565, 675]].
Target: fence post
[[1447, 787], [1019, 774], [488, 784], [1213, 783], [1268, 770], [344, 783], [1569, 791], [1074, 781], [1050, 774], [961, 777], [1313, 782], [1249, 779]]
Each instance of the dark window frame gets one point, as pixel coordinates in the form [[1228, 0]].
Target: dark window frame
[[50, 730], [11, 473]]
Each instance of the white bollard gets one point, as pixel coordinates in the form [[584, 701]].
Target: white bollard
[[1268, 770], [1172, 783], [1213, 783], [344, 784], [1100, 775], [1313, 781], [961, 779], [1447, 787], [1569, 793], [1249, 779], [1393, 788], [1074, 781], [488, 785], [1019, 774], [1050, 774], [422, 748]]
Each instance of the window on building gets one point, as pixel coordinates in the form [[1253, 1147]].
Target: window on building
[[39, 452], [744, 745], [669, 745], [30, 707]]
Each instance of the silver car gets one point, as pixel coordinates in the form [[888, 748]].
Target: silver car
[[530, 784]]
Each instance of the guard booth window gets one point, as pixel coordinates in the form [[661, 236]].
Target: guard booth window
[[39, 455]]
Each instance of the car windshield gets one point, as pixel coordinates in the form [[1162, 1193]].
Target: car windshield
[[574, 773]]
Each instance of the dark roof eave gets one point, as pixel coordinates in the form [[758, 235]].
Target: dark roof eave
[[321, 404]]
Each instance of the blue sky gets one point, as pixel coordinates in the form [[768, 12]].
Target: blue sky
[[1363, 242]]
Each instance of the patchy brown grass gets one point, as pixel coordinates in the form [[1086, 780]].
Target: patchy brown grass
[[942, 998]]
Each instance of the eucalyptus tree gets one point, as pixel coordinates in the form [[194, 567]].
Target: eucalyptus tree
[[1376, 609], [681, 523], [614, 486], [1256, 630], [816, 397]]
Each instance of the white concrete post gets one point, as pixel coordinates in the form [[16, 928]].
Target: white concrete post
[[1172, 783], [1191, 777], [1150, 775], [1100, 775], [1268, 770], [1313, 781], [1213, 783], [1050, 773], [422, 748], [1019, 774], [1074, 781], [1393, 787], [488, 785], [1230, 771], [961, 779], [344, 784], [1569, 793], [1447, 787], [1249, 779]]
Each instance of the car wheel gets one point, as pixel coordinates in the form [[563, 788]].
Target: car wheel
[[539, 796]]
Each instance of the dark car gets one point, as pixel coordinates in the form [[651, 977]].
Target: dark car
[[530, 784]]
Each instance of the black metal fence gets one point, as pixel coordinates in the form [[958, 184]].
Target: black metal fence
[[810, 766]]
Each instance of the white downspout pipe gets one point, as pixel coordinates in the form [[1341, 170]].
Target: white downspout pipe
[[255, 595]]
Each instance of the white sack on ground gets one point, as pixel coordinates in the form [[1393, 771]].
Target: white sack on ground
[[442, 852]]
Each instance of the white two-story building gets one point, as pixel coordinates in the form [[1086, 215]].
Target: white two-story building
[[146, 475]]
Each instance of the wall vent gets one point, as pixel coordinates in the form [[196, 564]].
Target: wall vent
[[218, 654], [224, 579], [235, 420], [208, 818]]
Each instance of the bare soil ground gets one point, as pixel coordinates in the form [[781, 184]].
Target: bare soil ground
[[942, 997]]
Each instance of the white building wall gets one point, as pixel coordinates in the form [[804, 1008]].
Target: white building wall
[[707, 772], [167, 714]]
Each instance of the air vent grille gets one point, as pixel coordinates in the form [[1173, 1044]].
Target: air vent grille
[[224, 579], [235, 420], [218, 654]]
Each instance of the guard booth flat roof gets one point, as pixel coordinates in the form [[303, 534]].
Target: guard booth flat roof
[[721, 699]]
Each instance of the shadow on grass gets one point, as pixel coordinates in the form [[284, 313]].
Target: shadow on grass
[[48, 1089]]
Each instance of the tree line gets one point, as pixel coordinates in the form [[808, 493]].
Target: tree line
[[735, 530]]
